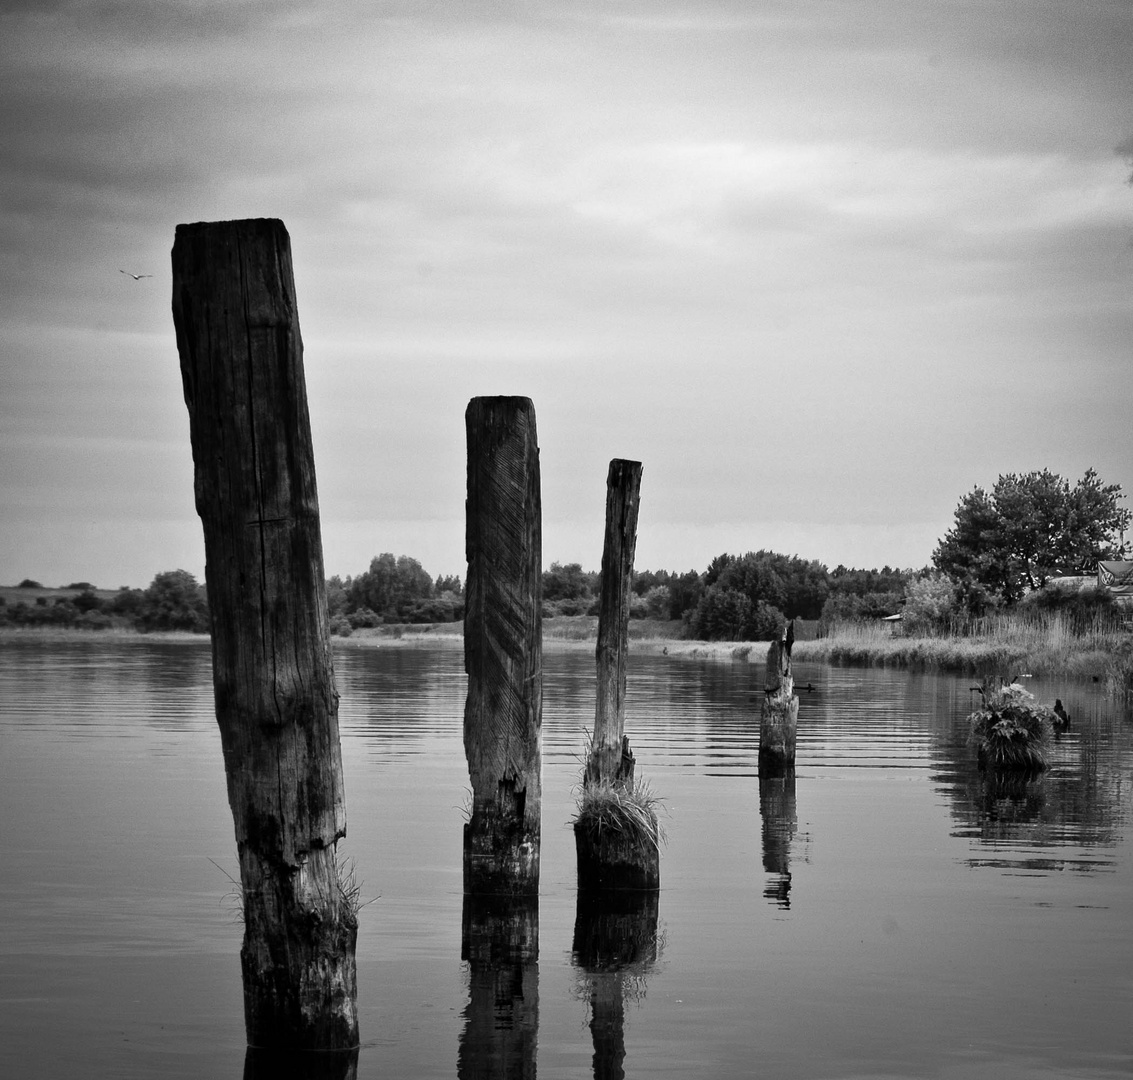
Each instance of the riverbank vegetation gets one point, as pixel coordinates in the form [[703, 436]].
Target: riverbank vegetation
[[1012, 586]]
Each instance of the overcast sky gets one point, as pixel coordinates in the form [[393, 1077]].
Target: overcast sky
[[822, 267]]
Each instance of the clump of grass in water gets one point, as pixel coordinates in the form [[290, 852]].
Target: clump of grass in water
[[630, 813], [1010, 731]]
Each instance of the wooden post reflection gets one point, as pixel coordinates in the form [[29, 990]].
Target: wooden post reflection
[[500, 942], [780, 822], [262, 1064], [615, 944]]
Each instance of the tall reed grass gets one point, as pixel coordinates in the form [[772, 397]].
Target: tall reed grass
[[1035, 643]]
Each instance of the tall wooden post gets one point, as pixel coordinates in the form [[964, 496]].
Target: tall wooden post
[[276, 704], [503, 648], [779, 714], [616, 829], [610, 759]]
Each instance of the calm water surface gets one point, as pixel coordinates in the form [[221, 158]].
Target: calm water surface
[[883, 913]]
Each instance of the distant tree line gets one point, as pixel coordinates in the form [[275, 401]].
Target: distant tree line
[[174, 600], [393, 590], [737, 597], [1005, 547]]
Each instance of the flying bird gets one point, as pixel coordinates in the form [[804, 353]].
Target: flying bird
[[136, 277]]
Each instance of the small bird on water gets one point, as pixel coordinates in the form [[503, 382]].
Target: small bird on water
[[136, 277], [1061, 716]]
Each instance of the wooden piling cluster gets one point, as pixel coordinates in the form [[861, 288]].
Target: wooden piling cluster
[[236, 320], [241, 354]]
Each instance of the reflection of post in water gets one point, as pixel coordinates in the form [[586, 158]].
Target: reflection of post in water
[[300, 1065], [500, 942], [615, 944], [780, 821]]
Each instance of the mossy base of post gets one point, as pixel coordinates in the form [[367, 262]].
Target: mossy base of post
[[297, 958], [778, 726], [501, 857], [612, 860]]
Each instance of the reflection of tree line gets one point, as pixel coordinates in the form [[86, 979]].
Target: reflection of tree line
[[399, 695]]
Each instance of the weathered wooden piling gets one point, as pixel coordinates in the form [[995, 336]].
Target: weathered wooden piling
[[616, 835], [500, 944], [503, 647], [779, 713], [610, 759], [241, 358]]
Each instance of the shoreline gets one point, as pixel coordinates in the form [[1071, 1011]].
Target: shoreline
[[1106, 658]]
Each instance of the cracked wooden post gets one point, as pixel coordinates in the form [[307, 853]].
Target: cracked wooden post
[[276, 703], [779, 714], [615, 830], [503, 648]]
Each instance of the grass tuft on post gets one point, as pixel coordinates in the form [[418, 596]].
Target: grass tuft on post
[[611, 813]]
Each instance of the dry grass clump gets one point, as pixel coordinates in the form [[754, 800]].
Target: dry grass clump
[[1041, 643], [629, 813], [1010, 730]]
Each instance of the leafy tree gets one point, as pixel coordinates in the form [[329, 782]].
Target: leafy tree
[[450, 583], [336, 596], [797, 587], [930, 603], [684, 593], [1029, 528], [174, 601], [569, 582], [390, 587], [658, 602], [721, 615], [854, 607], [126, 601], [87, 601], [849, 581], [724, 614]]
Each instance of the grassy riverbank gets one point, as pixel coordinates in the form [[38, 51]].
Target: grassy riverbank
[[1005, 645]]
